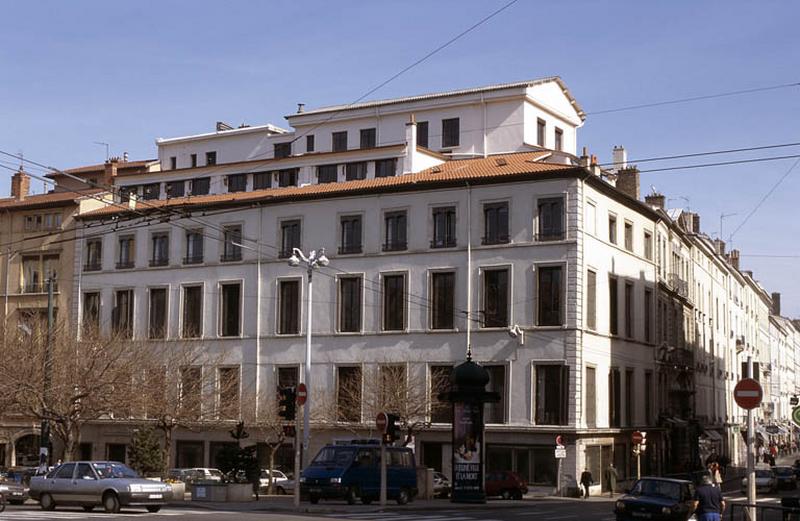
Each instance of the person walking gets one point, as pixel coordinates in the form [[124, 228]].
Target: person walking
[[586, 482], [708, 502], [716, 475], [611, 479]]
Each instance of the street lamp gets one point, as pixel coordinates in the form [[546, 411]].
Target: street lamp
[[313, 260]]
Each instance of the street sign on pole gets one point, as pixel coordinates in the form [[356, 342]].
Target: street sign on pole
[[637, 438], [748, 393], [302, 394], [560, 440], [561, 452]]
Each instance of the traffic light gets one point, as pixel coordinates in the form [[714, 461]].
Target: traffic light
[[287, 403], [392, 428]]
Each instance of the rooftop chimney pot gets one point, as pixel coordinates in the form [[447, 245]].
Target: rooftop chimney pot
[[301, 107], [20, 185]]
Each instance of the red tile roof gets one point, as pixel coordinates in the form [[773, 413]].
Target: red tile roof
[[483, 170], [45, 200]]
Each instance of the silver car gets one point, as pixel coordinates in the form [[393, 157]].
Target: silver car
[[93, 483]]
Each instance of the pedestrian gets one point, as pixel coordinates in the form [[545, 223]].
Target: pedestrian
[[724, 461], [611, 479], [716, 476], [586, 482], [708, 501]]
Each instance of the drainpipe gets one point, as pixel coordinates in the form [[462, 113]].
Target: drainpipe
[[258, 313], [483, 103], [469, 272]]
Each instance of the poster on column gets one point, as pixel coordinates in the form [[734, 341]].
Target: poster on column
[[467, 446]]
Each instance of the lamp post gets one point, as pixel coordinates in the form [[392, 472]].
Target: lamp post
[[313, 260]]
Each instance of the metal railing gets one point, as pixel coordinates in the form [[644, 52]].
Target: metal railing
[[495, 239], [231, 256], [678, 285], [443, 243], [37, 287], [193, 259], [394, 246]]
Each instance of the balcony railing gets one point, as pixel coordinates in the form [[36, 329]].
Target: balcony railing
[[347, 249], [395, 246], [37, 287], [443, 243], [551, 236], [678, 285], [92, 266], [193, 259], [495, 239], [231, 256], [159, 261], [124, 265]]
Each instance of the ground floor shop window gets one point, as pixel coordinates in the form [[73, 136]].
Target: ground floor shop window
[[597, 459], [189, 454], [432, 455], [535, 464], [215, 450]]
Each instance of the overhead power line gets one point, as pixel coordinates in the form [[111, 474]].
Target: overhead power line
[[763, 199], [407, 68], [694, 98], [722, 163], [707, 153]]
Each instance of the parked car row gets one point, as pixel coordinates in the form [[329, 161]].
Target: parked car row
[[772, 479]]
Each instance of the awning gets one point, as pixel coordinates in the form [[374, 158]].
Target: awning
[[712, 435], [762, 432]]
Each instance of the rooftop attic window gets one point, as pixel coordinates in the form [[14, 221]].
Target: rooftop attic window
[[282, 150], [368, 138], [339, 141], [237, 182], [211, 158]]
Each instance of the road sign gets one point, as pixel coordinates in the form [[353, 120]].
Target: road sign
[[560, 440], [380, 422], [561, 452], [748, 393], [796, 416], [637, 437], [302, 394]]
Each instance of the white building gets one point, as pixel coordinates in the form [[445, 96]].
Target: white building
[[605, 288]]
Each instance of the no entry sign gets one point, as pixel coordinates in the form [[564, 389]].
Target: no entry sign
[[637, 438], [302, 394], [380, 422], [748, 393]]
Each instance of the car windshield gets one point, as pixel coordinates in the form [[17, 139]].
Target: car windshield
[[763, 473], [215, 472], [658, 488], [334, 456], [114, 470], [784, 471]]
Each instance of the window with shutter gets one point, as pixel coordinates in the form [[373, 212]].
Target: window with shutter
[[591, 300], [551, 219], [550, 288]]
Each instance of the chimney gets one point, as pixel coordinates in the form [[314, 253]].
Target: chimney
[[124, 157], [110, 172], [776, 304], [584, 159], [301, 107], [696, 223], [719, 246], [620, 158], [628, 180], [656, 200], [410, 165], [20, 185], [733, 258]]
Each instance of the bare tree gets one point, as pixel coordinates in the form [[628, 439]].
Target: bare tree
[[184, 387], [271, 428], [82, 385], [399, 388]]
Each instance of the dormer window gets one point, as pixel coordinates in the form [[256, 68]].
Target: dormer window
[[211, 158], [450, 132], [283, 150], [368, 138]]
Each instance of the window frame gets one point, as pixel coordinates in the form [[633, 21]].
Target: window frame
[[541, 133], [283, 223], [237, 183], [359, 168], [446, 210], [613, 224], [279, 306], [404, 306], [195, 258], [328, 173], [259, 178], [203, 180], [98, 318], [337, 376], [282, 150], [380, 171], [221, 308], [591, 312], [423, 141], [562, 310], [394, 217], [93, 264], [234, 255], [368, 138], [130, 262], [509, 269], [554, 235], [498, 237], [165, 314], [310, 144], [211, 158], [558, 139], [448, 140], [432, 273], [353, 249], [131, 334], [154, 236], [564, 392], [183, 311], [340, 303], [169, 188], [628, 232], [336, 141]]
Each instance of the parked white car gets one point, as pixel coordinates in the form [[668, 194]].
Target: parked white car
[[281, 484]]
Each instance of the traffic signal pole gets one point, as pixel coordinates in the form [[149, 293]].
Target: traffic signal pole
[[383, 474], [751, 453]]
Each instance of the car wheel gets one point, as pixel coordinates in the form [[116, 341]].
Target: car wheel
[[517, 495], [153, 508], [111, 503], [366, 500], [403, 497], [47, 503], [505, 494], [351, 496], [314, 498], [88, 508]]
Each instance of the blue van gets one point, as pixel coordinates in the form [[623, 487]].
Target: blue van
[[352, 472]]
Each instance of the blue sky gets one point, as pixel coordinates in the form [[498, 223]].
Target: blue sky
[[126, 72]]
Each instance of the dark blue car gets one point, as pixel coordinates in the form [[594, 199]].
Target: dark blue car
[[352, 472], [656, 499]]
